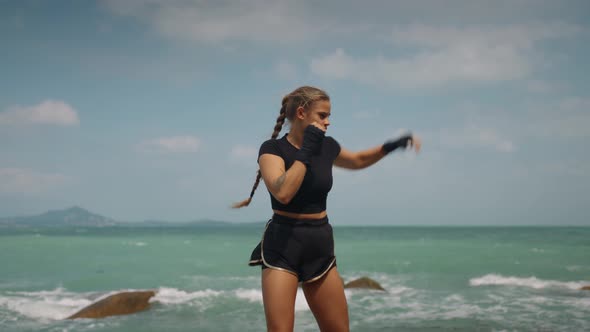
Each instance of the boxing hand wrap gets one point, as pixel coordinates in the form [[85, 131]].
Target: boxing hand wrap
[[312, 143], [401, 142]]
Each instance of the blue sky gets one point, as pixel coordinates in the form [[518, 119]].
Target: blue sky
[[155, 109]]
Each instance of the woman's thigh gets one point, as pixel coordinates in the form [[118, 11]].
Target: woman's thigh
[[327, 301], [279, 289]]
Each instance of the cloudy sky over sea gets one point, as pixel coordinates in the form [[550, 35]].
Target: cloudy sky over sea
[[156, 109]]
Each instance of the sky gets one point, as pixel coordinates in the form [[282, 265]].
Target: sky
[[155, 109]]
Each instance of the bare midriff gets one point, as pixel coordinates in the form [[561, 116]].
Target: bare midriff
[[318, 215]]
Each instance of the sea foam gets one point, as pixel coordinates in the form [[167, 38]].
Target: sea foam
[[532, 282], [167, 295], [44, 305]]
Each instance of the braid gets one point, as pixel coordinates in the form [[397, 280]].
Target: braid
[[280, 120], [277, 129]]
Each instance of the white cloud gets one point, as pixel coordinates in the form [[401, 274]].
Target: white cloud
[[26, 181], [243, 152], [516, 35], [174, 144], [257, 20], [445, 54], [52, 112], [472, 136], [132, 7], [289, 20], [425, 69]]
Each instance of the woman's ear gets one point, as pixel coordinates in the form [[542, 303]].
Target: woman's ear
[[300, 113]]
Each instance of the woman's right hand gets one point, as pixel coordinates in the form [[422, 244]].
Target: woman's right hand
[[312, 142]]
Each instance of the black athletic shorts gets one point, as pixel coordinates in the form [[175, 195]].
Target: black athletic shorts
[[303, 247]]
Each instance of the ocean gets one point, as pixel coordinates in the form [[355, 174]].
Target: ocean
[[436, 278]]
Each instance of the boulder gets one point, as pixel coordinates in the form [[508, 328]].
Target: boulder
[[364, 282], [585, 288], [123, 303]]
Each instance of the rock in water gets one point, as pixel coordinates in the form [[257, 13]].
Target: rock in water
[[123, 303], [364, 282], [585, 288]]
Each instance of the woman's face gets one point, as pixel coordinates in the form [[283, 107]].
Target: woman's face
[[319, 112]]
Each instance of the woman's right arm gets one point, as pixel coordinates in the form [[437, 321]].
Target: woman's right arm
[[283, 185]]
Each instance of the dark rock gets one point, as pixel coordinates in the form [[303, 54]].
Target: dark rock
[[123, 303], [364, 282], [585, 288]]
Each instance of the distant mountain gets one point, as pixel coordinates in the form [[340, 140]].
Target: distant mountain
[[74, 216], [77, 216]]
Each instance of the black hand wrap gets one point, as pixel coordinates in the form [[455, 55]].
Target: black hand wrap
[[312, 143], [401, 142]]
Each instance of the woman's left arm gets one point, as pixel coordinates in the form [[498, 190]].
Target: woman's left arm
[[365, 158]]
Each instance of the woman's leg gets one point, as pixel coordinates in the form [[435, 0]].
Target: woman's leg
[[279, 289], [327, 301]]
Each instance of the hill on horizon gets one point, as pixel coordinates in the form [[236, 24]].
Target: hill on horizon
[[73, 216], [78, 216]]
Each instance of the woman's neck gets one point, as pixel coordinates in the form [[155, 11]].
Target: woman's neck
[[295, 137]]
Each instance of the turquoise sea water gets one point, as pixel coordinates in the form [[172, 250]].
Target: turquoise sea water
[[437, 278]]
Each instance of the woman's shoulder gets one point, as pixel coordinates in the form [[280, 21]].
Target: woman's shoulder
[[272, 146], [271, 142], [331, 141], [332, 145]]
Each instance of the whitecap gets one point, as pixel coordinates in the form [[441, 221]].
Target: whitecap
[[575, 268], [255, 295], [53, 304], [167, 295], [136, 243], [532, 282], [44, 305]]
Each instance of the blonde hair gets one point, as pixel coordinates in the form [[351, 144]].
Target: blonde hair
[[304, 97]]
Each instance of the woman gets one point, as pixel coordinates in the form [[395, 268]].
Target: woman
[[297, 244]]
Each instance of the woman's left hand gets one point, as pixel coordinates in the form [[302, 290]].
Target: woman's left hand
[[403, 142]]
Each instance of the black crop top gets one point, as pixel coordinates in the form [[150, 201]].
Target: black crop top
[[313, 192]]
